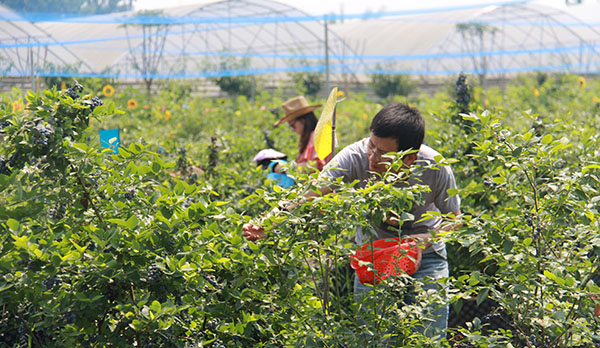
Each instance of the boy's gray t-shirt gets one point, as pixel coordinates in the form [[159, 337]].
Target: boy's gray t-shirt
[[352, 163]]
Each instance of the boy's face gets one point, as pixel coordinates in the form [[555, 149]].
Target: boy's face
[[377, 147]]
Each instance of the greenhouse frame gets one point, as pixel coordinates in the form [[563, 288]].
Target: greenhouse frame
[[251, 37]]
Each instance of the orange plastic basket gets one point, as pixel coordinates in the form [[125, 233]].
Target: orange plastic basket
[[390, 256]]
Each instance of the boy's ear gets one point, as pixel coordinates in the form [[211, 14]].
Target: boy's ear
[[410, 158]]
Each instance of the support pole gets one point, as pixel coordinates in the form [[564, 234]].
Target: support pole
[[333, 132], [31, 68], [326, 57]]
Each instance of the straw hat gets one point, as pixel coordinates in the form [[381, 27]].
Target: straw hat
[[295, 108]]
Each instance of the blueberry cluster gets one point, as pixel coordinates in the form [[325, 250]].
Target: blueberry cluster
[[213, 155], [70, 317], [463, 97], [218, 344], [42, 136], [186, 203], [154, 273], [71, 93], [4, 124], [182, 163], [489, 182], [129, 195], [12, 161], [74, 91], [50, 283], [4, 166], [211, 280], [95, 103], [57, 212], [77, 87], [270, 143], [212, 324]]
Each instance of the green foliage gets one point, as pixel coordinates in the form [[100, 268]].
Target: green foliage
[[234, 82], [308, 83], [99, 249], [387, 85]]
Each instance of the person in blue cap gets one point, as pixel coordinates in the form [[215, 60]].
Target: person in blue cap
[[272, 160]]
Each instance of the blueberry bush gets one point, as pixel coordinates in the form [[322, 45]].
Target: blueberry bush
[[143, 248]]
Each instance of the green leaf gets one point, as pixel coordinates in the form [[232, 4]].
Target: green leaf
[[547, 139], [81, 147], [517, 151], [508, 245], [4, 286], [155, 306], [458, 305], [482, 295], [13, 225], [136, 324], [179, 188], [452, 191], [120, 222], [156, 167], [132, 222], [21, 242]]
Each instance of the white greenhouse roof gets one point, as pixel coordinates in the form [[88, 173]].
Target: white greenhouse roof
[[241, 37], [490, 40]]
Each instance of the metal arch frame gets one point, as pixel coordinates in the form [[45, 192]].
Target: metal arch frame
[[318, 43], [42, 52], [450, 38]]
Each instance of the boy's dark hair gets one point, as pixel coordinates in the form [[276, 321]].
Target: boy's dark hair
[[401, 122]]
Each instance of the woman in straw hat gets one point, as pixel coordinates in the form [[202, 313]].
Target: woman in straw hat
[[300, 117]]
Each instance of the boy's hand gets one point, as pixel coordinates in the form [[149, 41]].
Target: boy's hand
[[253, 232]]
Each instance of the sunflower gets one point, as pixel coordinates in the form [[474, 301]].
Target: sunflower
[[108, 91], [17, 105], [131, 104], [582, 81], [167, 115], [340, 94]]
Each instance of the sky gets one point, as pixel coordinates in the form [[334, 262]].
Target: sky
[[318, 7]]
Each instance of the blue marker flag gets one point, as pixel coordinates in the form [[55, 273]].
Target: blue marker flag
[[110, 138]]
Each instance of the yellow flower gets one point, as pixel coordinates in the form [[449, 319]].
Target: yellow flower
[[582, 81], [238, 113], [536, 92], [167, 115], [364, 115], [486, 103], [108, 91], [340, 94], [17, 105], [131, 104]]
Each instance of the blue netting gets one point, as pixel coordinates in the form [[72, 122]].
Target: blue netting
[[222, 47]]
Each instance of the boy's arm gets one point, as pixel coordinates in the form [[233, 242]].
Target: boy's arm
[[254, 231]]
